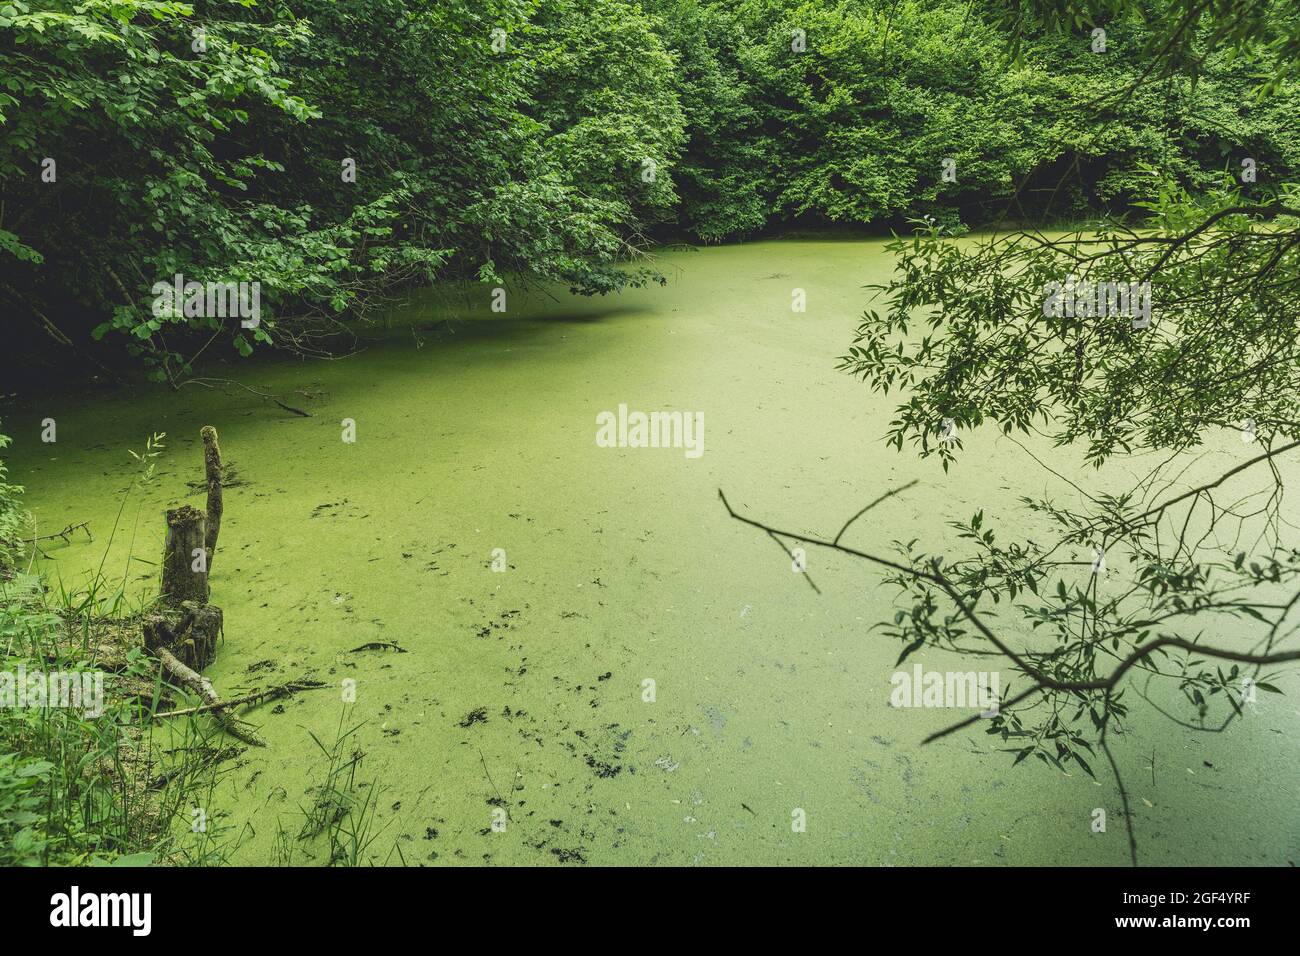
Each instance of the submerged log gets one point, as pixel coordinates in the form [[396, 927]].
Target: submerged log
[[185, 557], [271, 693]]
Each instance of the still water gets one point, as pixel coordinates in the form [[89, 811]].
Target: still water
[[529, 690]]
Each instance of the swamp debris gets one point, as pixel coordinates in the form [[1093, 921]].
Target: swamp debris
[[224, 384], [192, 681], [66, 534], [379, 646], [271, 693], [182, 631]]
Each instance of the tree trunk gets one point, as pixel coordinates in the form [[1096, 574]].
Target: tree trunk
[[212, 469], [185, 557]]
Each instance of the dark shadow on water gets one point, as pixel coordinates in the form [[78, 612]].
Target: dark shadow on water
[[483, 326]]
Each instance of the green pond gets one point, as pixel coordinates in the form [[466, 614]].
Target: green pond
[[525, 688]]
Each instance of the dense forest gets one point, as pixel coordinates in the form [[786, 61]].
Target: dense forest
[[334, 151]]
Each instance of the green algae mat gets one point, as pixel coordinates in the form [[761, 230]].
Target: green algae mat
[[554, 644]]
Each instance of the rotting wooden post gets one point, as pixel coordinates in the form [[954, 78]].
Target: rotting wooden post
[[182, 634], [212, 471], [185, 557], [190, 632]]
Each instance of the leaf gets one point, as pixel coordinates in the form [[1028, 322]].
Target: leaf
[[37, 768], [919, 642]]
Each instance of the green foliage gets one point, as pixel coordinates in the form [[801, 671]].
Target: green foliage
[[517, 139], [601, 85], [11, 519], [91, 785], [148, 140], [844, 112], [726, 168], [1181, 33], [208, 140], [20, 805], [1222, 345]]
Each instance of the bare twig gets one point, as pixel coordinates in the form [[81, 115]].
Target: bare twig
[[65, 534], [220, 384]]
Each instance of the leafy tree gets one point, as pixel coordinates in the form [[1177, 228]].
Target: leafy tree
[[117, 156], [849, 112], [333, 152], [727, 168], [209, 140], [1182, 33]]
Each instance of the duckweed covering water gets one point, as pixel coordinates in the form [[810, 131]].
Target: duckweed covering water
[[524, 690]]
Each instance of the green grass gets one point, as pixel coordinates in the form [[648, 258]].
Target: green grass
[[78, 787]]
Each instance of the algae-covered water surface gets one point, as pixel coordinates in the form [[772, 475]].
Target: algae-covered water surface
[[596, 663]]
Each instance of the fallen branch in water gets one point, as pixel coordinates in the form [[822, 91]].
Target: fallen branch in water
[[281, 690], [191, 680], [260, 393], [65, 534]]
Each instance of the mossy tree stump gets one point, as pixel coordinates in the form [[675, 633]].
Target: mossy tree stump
[[185, 557], [182, 633], [190, 631], [185, 623]]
